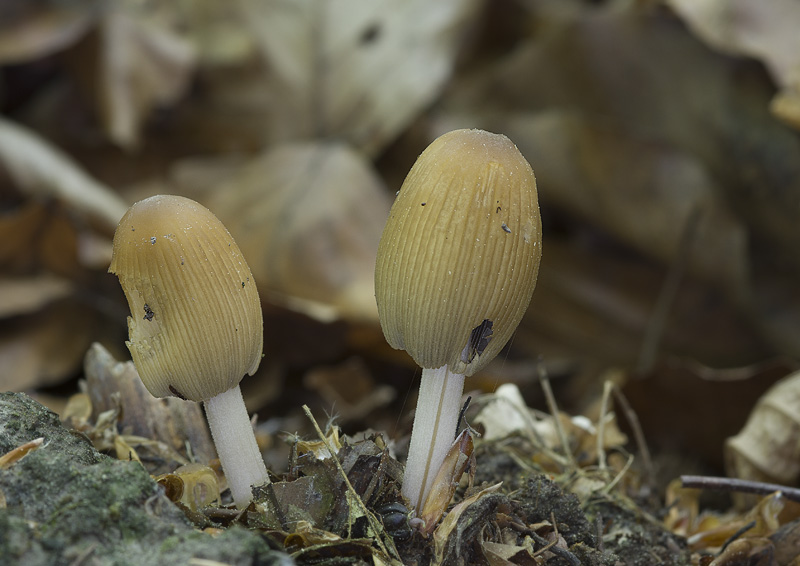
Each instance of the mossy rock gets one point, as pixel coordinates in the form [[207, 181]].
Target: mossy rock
[[65, 502]]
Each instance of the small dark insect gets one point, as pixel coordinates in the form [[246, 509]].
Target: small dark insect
[[395, 517], [498, 210], [424, 203], [176, 393], [506, 228], [153, 239], [148, 313], [478, 340], [242, 284]]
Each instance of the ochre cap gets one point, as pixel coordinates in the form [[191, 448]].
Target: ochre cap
[[458, 259], [196, 325]]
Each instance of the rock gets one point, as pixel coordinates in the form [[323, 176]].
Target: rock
[[66, 503]]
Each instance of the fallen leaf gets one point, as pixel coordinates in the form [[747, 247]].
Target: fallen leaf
[[138, 64], [22, 296], [355, 69], [308, 217], [766, 31], [765, 449], [33, 29]]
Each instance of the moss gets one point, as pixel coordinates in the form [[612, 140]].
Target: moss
[[85, 503]]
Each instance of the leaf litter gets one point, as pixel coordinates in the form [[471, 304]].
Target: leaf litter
[[664, 139]]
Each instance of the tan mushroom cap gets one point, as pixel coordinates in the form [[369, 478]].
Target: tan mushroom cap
[[196, 325], [458, 259]]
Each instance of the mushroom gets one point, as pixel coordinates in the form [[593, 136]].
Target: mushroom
[[456, 268], [196, 325]]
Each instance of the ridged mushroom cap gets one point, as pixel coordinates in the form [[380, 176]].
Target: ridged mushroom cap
[[458, 258], [196, 325]]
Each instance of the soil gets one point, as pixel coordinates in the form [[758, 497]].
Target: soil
[[67, 504]]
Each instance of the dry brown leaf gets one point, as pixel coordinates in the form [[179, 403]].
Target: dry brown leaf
[[642, 193], [718, 400], [42, 170], [677, 106], [349, 389], [766, 30], [766, 449], [142, 65], [46, 347], [449, 523], [22, 296], [354, 68], [32, 29], [308, 218], [171, 421]]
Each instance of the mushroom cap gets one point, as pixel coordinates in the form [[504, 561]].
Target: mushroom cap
[[458, 258], [196, 325]]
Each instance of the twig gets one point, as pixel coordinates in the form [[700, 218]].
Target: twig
[[619, 476], [743, 486], [553, 408], [638, 435], [376, 526]]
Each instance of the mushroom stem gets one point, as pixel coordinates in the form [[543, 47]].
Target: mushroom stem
[[434, 431], [236, 444]]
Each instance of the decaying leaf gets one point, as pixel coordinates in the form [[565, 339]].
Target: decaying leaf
[[353, 68], [30, 29], [177, 424], [21, 296], [308, 218], [766, 31], [349, 389], [46, 346], [766, 449], [504, 413], [459, 460], [194, 485], [139, 64], [448, 537], [642, 193]]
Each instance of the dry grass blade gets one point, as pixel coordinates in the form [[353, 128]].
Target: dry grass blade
[[387, 545]]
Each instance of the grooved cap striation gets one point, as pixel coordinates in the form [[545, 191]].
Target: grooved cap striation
[[458, 258], [196, 325]]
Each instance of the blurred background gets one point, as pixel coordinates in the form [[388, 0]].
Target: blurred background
[[664, 135]]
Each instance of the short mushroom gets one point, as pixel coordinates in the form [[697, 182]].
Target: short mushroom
[[196, 325], [456, 268]]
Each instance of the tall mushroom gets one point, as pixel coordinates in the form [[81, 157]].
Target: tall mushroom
[[456, 268], [196, 325]]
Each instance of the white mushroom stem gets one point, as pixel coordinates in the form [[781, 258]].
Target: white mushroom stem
[[236, 444], [435, 423]]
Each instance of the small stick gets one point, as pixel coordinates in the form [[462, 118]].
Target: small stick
[[743, 486], [553, 408], [638, 434]]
